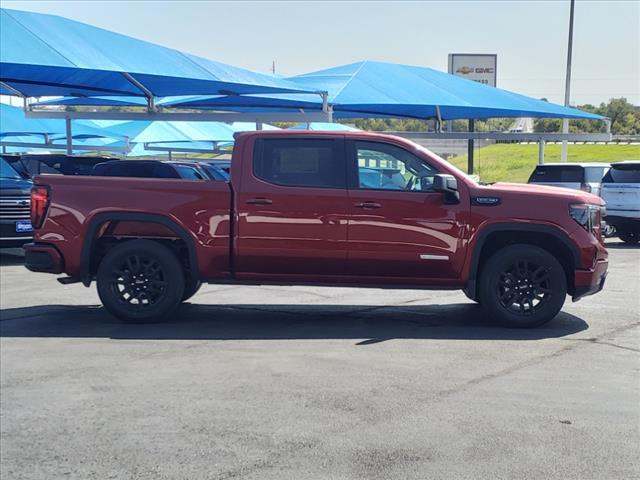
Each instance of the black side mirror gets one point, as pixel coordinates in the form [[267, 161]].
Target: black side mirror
[[448, 185]]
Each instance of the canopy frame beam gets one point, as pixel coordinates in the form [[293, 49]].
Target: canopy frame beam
[[261, 117], [56, 146], [151, 101], [520, 137], [16, 92]]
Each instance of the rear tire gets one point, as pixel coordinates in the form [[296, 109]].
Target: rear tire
[[522, 286], [191, 290], [140, 281], [630, 237]]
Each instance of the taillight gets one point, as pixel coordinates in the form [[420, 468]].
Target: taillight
[[39, 204]]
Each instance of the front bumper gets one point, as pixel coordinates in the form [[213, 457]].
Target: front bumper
[[589, 282], [10, 238], [43, 258]]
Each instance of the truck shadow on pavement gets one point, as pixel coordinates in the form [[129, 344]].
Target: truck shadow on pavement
[[365, 324]]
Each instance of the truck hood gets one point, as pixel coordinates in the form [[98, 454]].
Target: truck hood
[[15, 186], [576, 196]]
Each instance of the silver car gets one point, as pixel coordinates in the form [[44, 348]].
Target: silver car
[[577, 176]]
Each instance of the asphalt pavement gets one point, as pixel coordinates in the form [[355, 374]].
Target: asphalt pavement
[[317, 383]]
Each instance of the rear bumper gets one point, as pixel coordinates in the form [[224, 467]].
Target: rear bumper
[[43, 258], [588, 282]]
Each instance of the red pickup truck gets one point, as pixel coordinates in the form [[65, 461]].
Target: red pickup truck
[[321, 208]]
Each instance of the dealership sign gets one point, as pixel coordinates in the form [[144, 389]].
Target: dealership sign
[[480, 68]]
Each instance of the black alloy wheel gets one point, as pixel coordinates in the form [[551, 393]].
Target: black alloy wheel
[[140, 281], [522, 286]]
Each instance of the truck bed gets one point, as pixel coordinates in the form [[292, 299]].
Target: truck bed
[[76, 201]]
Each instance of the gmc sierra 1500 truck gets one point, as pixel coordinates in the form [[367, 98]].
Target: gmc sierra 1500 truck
[[321, 208]]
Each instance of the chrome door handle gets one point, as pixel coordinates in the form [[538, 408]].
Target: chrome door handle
[[259, 201], [368, 205]]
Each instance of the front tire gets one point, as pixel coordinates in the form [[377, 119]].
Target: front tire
[[522, 286], [140, 281]]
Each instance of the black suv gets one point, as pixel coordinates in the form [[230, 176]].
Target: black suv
[[15, 206]]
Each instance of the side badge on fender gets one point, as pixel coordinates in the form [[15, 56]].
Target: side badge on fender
[[485, 201]]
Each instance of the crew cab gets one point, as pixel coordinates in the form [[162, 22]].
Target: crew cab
[[301, 207]]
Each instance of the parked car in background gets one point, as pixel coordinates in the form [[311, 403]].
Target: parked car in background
[[621, 193], [577, 176], [15, 206], [205, 170], [30, 165], [300, 208], [147, 169]]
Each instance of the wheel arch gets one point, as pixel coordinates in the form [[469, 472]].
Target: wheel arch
[[495, 236], [100, 219]]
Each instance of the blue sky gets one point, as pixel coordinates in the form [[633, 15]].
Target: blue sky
[[529, 37]]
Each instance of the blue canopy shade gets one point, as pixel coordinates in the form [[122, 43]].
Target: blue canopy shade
[[47, 55], [378, 89], [411, 91], [173, 135], [15, 126]]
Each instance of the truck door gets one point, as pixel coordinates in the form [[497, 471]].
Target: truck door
[[398, 226], [292, 209]]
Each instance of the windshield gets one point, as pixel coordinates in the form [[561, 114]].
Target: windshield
[[7, 171], [623, 173]]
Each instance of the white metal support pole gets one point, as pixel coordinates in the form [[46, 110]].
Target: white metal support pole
[[567, 86], [67, 124], [541, 152]]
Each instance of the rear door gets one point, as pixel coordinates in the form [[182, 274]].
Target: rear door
[[399, 228], [292, 208], [621, 190]]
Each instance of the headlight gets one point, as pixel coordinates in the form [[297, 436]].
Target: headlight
[[588, 216]]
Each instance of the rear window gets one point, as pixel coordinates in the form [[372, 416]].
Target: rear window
[[629, 173], [554, 174], [300, 162]]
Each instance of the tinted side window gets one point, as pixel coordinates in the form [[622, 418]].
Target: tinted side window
[[568, 174], [300, 162], [383, 166], [623, 174]]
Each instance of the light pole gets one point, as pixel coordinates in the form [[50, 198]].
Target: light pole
[[567, 85]]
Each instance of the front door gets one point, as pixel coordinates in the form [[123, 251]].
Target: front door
[[292, 210], [399, 228]]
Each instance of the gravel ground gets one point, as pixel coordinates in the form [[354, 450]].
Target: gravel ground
[[317, 383]]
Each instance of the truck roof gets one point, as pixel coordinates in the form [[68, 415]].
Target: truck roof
[[313, 133]]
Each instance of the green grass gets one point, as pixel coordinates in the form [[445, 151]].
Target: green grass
[[513, 162]]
